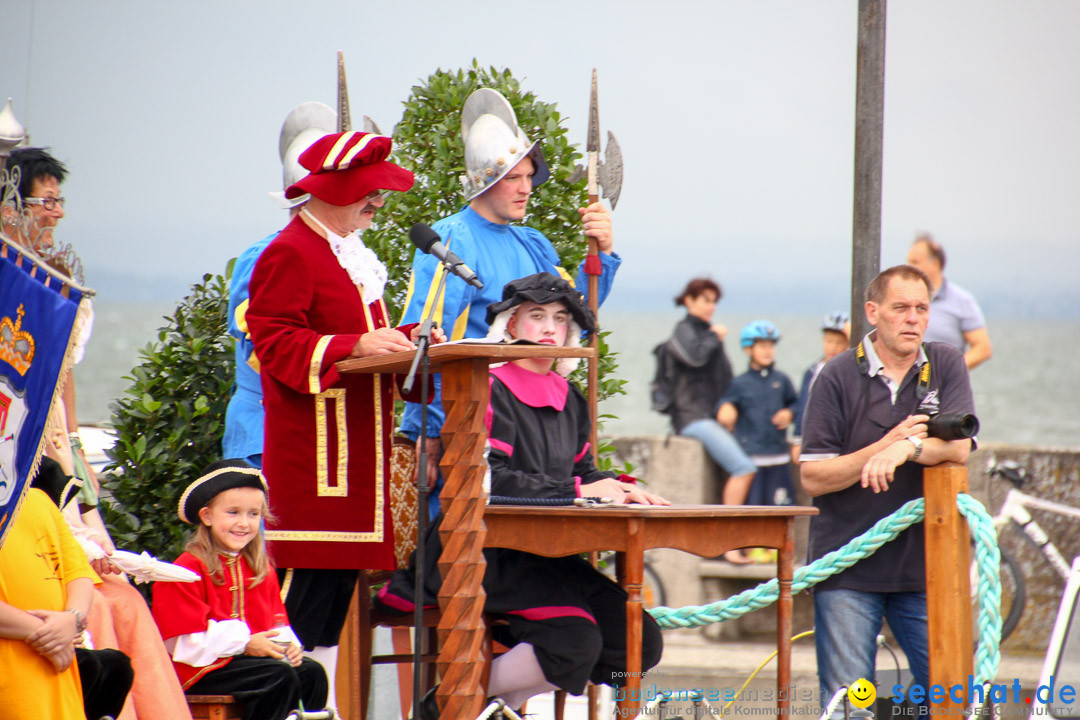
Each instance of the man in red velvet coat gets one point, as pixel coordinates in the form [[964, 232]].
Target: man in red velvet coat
[[316, 299]]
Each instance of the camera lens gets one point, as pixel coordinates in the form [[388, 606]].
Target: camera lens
[[953, 426]]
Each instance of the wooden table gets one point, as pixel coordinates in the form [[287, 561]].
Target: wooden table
[[703, 530], [706, 530]]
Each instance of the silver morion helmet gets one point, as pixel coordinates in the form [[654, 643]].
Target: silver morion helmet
[[494, 143], [304, 125]]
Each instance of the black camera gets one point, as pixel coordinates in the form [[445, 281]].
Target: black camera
[[953, 426]]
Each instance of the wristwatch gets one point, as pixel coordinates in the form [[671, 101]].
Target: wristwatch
[[80, 620], [917, 442]]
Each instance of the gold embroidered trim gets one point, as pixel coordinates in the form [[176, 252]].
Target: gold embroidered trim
[[326, 535], [203, 671], [378, 531], [287, 584], [380, 458], [314, 384], [322, 469]]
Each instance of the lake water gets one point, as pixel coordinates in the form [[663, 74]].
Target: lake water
[[1027, 394]]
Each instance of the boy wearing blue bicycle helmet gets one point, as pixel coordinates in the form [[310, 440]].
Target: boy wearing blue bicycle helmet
[[757, 409]]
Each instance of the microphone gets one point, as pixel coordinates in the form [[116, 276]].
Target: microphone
[[428, 241]]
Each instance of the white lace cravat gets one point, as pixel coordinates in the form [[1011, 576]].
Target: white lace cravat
[[359, 261]]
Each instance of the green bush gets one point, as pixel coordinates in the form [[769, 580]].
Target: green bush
[[170, 422]]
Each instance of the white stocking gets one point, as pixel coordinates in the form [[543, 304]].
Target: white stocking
[[516, 676], [327, 657]]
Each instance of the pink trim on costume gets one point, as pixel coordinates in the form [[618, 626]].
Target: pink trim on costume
[[395, 601], [534, 390], [552, 611], [577, 485], [489, 414], [500, 445], [585, 449]]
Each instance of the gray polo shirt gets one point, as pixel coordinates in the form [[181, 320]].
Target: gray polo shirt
[[848, 410], [953, 312]]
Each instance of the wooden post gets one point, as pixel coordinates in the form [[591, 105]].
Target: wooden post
[[461, 597], [869, 133], [948, 582]]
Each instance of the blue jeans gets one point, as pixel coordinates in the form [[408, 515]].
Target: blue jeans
[[721, 446], [846, 625]]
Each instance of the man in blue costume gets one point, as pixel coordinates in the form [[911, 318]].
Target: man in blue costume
[[244, 417], [502, 169]]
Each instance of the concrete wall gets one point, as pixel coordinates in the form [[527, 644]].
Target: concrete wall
[[679, 469]]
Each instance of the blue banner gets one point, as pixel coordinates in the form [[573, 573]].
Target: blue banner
[[37, 319]]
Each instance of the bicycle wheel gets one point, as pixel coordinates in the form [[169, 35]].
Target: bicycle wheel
[[1013, 596], [653, 593]]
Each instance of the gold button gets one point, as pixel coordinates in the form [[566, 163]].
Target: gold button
[[500, 162], [513, 150], [489, 172]]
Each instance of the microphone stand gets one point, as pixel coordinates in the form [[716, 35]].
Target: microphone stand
[[421, 358]]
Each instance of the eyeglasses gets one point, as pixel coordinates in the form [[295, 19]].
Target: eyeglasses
[[375, 195], [49, 203]]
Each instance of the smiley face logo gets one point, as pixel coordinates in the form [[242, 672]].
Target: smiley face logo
[[862, 693]]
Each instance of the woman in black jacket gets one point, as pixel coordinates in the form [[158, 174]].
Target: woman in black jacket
[[702, 376]]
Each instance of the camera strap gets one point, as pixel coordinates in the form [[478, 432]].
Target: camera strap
[[923, 386]]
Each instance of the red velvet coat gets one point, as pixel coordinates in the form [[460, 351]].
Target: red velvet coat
[[327, 436]]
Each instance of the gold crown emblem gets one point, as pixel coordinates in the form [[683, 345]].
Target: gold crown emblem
[[16, 345]]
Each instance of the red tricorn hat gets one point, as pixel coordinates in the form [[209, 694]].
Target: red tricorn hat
[[346, 167]]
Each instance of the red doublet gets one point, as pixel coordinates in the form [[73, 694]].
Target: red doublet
[[182, 608], [327, 435]]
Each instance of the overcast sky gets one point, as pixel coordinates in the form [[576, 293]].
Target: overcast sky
[[736, 121]]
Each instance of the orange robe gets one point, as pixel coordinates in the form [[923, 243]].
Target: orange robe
[[119, 618]]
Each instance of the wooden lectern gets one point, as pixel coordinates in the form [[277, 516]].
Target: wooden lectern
[[464, 369]]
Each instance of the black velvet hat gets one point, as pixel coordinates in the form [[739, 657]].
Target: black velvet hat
[[218, 477], [544, 288]]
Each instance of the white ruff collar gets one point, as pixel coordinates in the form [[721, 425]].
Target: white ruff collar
[[361, 263]]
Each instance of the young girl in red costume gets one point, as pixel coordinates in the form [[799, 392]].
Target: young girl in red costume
[[228, 632]]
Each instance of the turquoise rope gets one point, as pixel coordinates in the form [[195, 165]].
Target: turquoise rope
[[988, 558]]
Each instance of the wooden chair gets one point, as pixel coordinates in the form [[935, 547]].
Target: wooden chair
[[214, 707]]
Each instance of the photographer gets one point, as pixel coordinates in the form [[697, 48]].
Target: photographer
[[865, 441]]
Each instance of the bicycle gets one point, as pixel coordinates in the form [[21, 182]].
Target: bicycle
[[653, 592], [1014, 512]]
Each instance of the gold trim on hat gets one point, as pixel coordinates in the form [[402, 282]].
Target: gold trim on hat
[[328, 163], [345, 161], [210, 476]]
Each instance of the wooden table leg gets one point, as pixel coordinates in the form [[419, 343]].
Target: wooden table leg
[[785, 561], [633, 566], [461, 597]]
